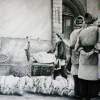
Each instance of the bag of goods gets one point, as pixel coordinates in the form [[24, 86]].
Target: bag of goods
[[88, 36], [28, 83], [61, 85], [73, 37], [8, 85], [47, 85], [38, 84]]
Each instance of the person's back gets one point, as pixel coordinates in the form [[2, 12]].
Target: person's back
[[88, 59]]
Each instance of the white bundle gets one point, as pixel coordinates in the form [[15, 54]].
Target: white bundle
[[2, 83], [63, 84], [88, 36], [28, 83], [59, 84], [21, 85], [43, 57], [8, 84], [47, 85], [36, 85], [40, 84], [34, 88]]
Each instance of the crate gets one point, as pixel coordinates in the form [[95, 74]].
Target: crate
[[39, 69]]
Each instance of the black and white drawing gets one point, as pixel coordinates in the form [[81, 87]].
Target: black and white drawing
[[50, 49]]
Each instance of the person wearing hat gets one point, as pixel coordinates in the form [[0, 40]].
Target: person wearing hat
[[60, 54], [75, 54], [88, 59]]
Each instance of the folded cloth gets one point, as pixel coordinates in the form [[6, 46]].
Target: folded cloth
[[43, 57]]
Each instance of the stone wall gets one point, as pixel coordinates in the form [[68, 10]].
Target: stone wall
[[93, 6], [19, 18], [57, 18]]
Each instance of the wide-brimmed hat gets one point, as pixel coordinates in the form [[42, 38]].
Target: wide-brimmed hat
[[89, 18]]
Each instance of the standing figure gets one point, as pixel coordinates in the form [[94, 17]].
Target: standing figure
[[60, 54], [75, 55], [88, 59], [27, 49]]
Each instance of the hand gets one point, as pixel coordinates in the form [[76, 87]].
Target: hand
[[80, 49], [96, 50]]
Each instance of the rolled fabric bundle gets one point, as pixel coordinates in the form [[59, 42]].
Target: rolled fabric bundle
[[47, 85], [21, 85], [2, 84], [88, 36], [8, 84], [60, 84], [38, 84], [28, 83]]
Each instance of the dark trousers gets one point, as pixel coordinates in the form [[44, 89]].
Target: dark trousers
[[88, 89], [62, 72], [76, 87]]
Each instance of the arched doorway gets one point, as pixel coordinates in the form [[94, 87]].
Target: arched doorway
[[71, 9]]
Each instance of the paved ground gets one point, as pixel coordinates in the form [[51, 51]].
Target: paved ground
[[35, 97]]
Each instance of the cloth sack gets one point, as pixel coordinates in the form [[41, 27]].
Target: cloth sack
[[88, 36]]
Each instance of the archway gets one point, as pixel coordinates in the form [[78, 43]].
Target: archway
[[71, 9]]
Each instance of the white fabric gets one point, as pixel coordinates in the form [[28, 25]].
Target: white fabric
[[40, 84], [43, 57]]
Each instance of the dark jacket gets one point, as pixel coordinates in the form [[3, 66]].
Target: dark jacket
[[61, 50]]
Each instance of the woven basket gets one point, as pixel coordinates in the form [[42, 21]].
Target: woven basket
[[42, 69]]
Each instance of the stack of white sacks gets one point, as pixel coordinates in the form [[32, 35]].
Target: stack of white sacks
[[40, 85]]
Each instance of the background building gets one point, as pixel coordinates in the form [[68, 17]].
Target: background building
[[40, 20]]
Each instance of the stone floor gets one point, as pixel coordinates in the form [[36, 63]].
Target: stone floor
[[36, 97], [33, 97]]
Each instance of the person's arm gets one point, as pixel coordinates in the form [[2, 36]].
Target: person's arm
[[67, 43], [77, 44], [87, 53], [68, 55], [97, 46], [81, 48]]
